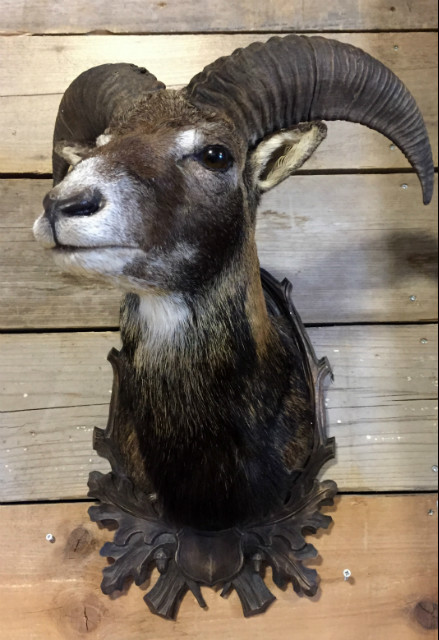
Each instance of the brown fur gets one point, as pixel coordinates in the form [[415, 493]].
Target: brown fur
[[216, 403], [217, 413]]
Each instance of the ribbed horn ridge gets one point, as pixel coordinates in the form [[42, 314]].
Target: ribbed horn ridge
[[273, 86], [90, 102]]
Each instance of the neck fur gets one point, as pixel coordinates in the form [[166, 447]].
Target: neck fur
[[203, 379], [172, 327]]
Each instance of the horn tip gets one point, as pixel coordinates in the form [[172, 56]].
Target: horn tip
[[428, 197], [428, 189]]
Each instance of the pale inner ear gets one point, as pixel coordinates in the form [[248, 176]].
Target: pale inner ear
[[72, 153], [277, 157], [103, 139], [75, 152]]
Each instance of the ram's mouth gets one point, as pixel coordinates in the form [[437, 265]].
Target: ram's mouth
[[103, 262], [66, 248]]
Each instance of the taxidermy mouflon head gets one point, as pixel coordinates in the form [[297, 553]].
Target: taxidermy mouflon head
[[156, 191], [164, 184]]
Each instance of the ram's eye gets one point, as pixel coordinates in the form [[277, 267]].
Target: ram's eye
[[216, 158]]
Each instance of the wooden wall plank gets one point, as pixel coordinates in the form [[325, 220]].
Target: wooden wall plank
[[33, 293], [352, 242], [51, 591], [173, 16], [38, 70], [55, 389], [356, 248]]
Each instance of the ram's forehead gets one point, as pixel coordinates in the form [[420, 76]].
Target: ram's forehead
[[168, 124], [154, 110], [171, 109]]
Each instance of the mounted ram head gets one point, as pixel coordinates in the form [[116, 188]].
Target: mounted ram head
[[161, 200]]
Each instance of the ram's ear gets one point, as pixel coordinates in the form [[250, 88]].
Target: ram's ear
[[73, 152], [281, 154]]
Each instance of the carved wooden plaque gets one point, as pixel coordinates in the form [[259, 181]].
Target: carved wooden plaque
[[230, 559]]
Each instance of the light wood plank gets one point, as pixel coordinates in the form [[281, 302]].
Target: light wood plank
[[356, 248], [79, 16], [51, 591], [357, 243], [38, 71], [382, 407], [33, 293]]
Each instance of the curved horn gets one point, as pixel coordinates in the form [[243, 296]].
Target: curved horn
[[91, 101], [276, 85]]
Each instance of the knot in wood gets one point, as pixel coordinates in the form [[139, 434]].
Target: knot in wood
[[426, 613], [80, 543]]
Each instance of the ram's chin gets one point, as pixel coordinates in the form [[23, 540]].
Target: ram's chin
[[102, 264]]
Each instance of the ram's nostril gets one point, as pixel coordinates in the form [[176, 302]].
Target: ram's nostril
[[85, 203], [82, 205]]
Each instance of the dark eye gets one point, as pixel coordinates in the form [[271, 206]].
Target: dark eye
[[216, 158]]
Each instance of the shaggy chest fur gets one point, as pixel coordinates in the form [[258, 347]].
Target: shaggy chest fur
[[218, 425]]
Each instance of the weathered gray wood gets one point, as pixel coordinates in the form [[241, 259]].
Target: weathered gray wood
[[382, 409], [51, 591], [356, 248], [361, 243], [79, 16], [38, 70], [33, 293]]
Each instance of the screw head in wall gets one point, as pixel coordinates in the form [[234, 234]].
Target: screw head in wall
[[50, 538]]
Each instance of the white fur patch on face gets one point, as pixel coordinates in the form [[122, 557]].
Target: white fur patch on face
[[109, 226], [188, 141], [107, 264], [43, 232], [104, 243]]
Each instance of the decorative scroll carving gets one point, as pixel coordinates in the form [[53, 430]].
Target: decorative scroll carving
[[235, 558]]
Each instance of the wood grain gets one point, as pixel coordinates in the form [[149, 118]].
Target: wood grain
[[38, 70], [33, 293], [173, 16], [51, 591], [356, 248], [55, 389], [357, 260]]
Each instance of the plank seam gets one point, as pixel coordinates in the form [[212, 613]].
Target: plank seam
[[301, 172], [351, 494], [220, 32], [310, 325], [68, 406]]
